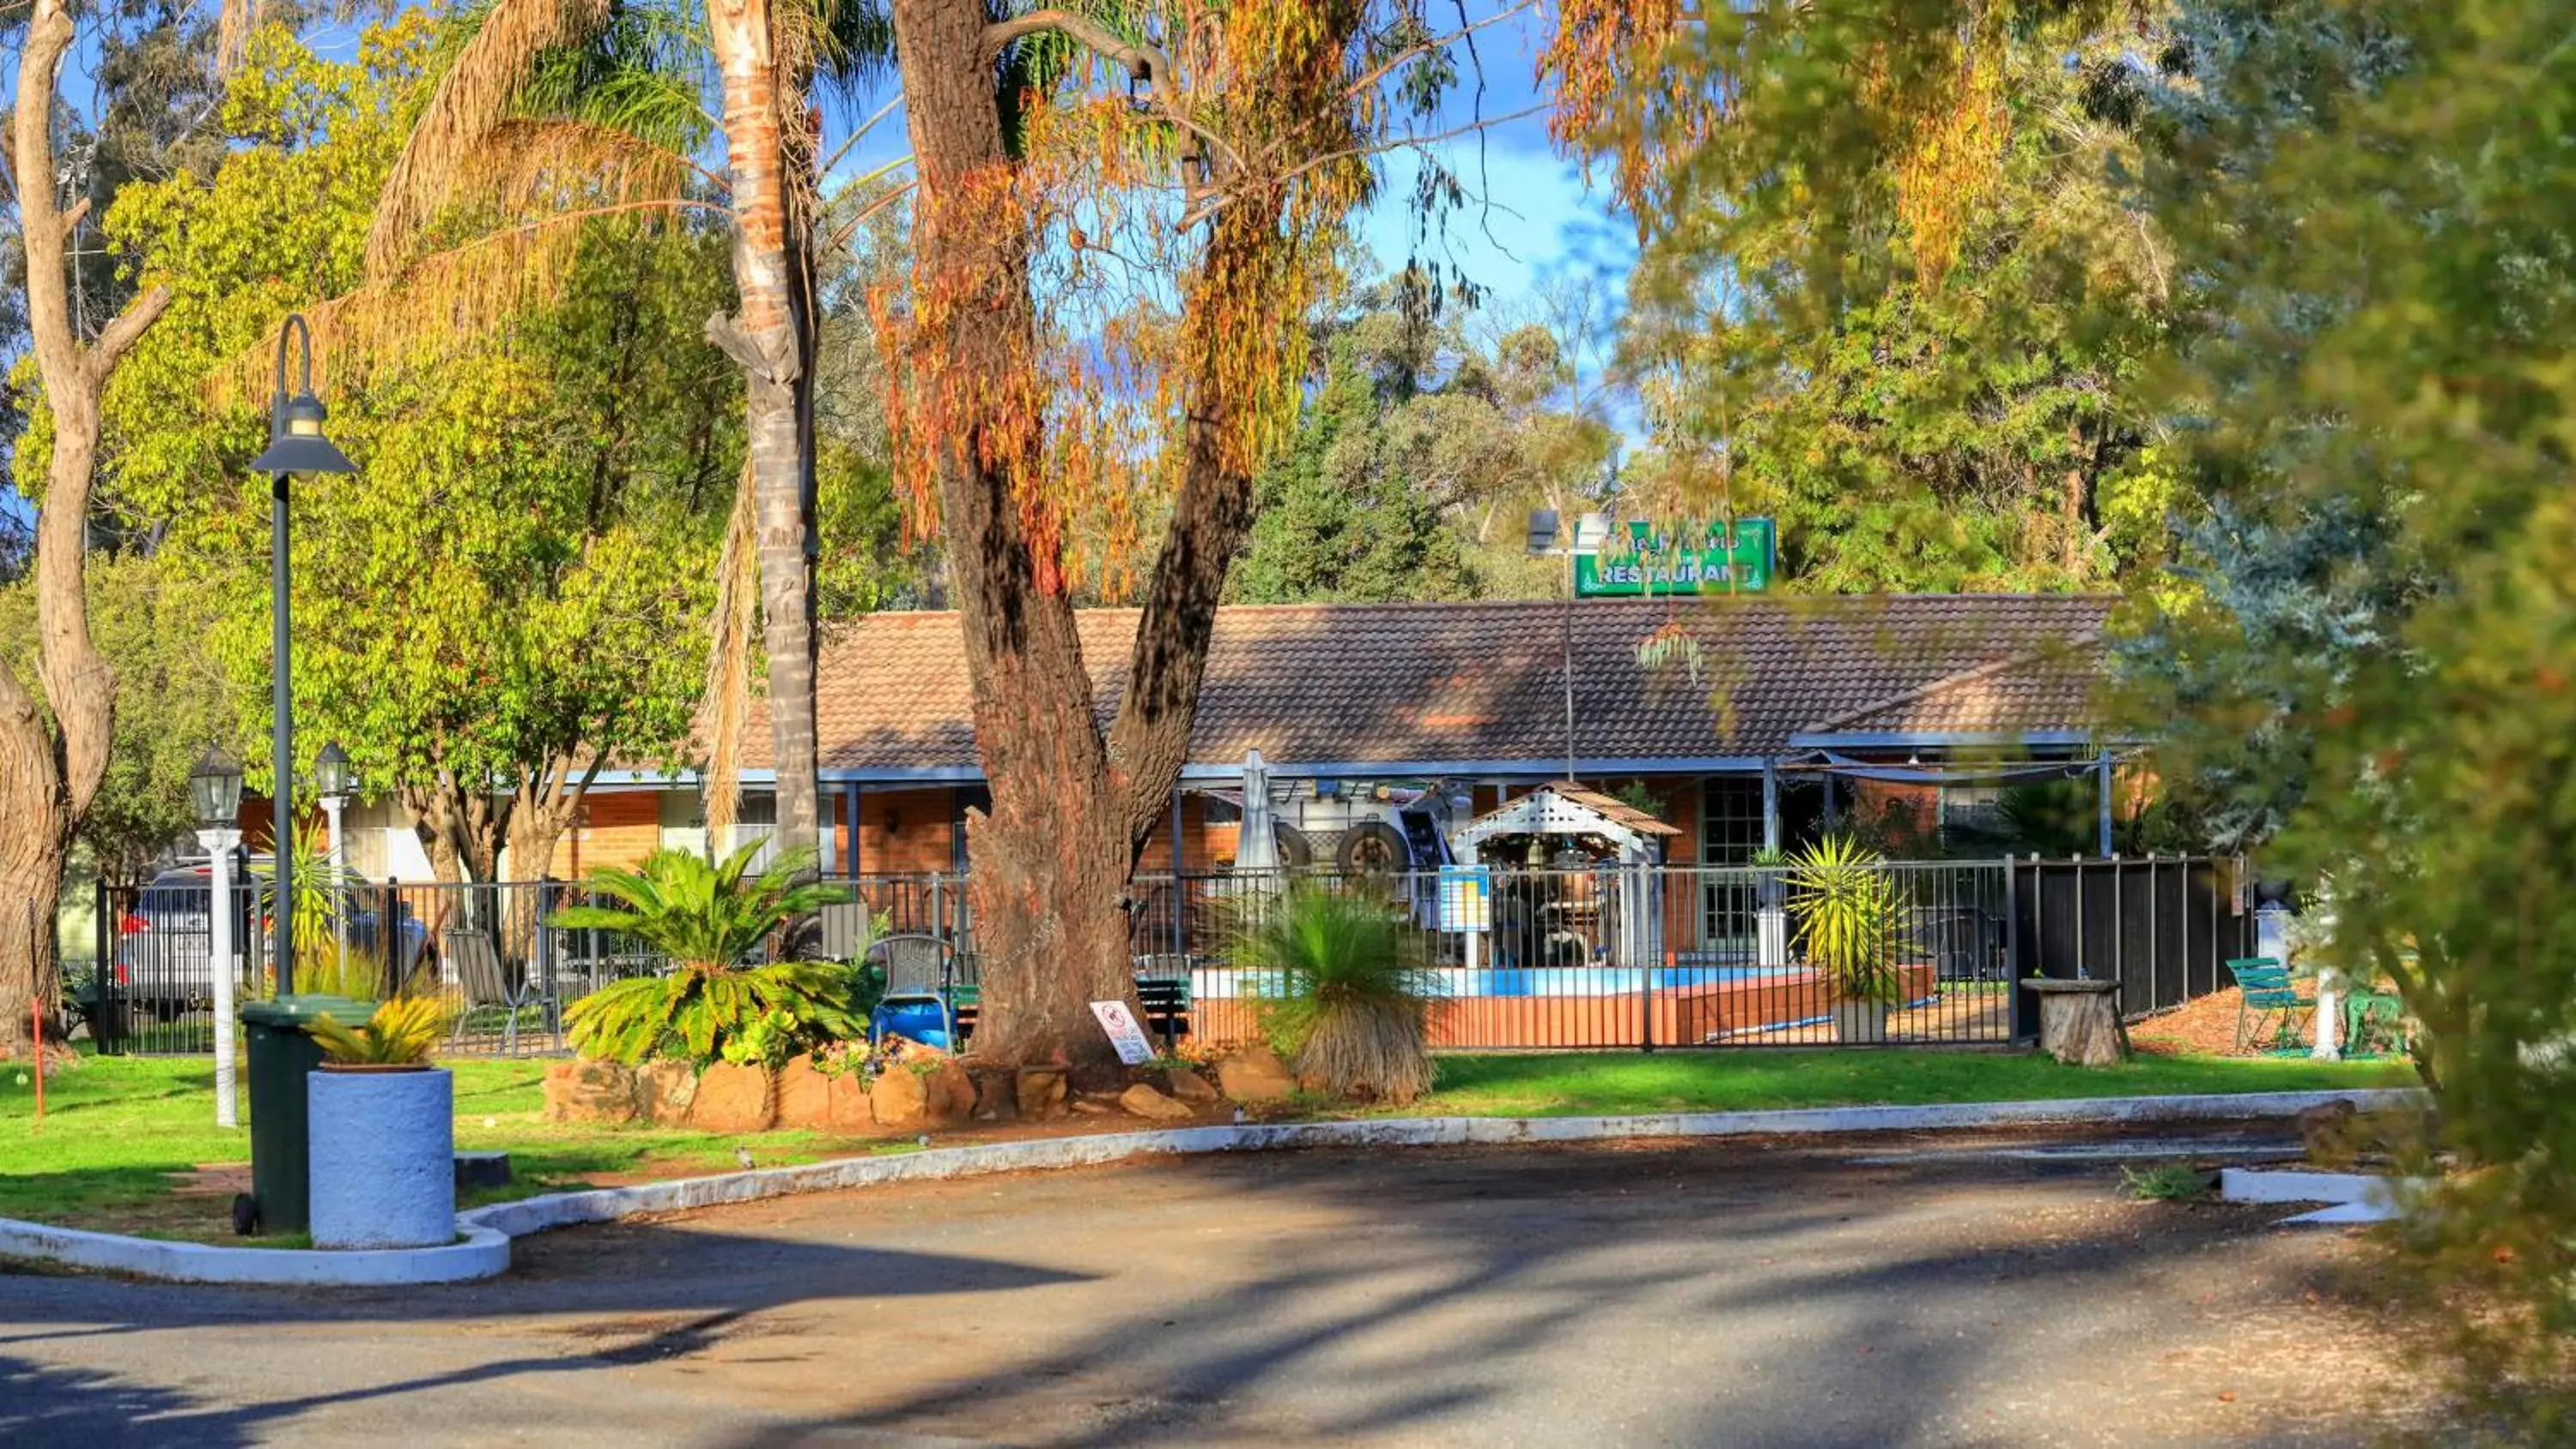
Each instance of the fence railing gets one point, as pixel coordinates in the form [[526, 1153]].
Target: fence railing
[[1595, 957], [2163, 927]]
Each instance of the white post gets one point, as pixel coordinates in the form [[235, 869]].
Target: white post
[[220, 966], [331, 808], [2328, 1047]]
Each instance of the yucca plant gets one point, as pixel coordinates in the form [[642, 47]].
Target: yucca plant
[[1852, 919], [402, 1033], [1343, 991], [707, 918]]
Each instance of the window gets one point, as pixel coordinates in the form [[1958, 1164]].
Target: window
[[755, 817], [1730, 819]]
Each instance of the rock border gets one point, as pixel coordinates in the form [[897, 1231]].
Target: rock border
[[487, 1231]]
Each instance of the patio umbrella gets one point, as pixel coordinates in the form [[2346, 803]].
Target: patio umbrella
[[1257, 845]]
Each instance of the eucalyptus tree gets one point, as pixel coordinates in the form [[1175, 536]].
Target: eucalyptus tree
[[54, 754]]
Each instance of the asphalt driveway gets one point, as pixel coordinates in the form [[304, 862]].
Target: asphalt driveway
[[1890, 1291]]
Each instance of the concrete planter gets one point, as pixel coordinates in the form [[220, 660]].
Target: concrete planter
[[1860, 1021], [384, 1158]]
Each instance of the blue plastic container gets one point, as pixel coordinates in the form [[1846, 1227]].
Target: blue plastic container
[[915, 1018]]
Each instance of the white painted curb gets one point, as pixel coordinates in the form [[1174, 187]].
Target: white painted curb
[[536, 1214], [483, 1254], [2353, 1197]]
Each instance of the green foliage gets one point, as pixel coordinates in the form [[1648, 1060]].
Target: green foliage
[[402, 1032], [149, 617], [708, 918], [1980, 420], [1429, 433], [2364, 209], [1851, 919], [704, 915], [2166, 1182], [1344, 992], [1340, 519], [747, 1015], [514, 583]]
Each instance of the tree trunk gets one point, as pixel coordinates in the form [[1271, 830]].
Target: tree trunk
[[49, 776], [33, 828], [1055, 855], [1050, 854], [772, 339]]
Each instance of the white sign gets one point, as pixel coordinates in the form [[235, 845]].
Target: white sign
[[1124, 1033]]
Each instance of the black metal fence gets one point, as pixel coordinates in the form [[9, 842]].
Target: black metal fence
[[1595, 957], [2163, 927]]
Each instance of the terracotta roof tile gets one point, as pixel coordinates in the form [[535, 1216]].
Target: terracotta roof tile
[[1315, 684]]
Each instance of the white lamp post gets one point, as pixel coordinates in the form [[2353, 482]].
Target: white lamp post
[[214, 789], [333, 781]]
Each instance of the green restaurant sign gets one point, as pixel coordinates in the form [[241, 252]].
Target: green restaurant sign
[[1691, 558]]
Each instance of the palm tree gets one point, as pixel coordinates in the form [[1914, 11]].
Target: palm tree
[[582, 107]]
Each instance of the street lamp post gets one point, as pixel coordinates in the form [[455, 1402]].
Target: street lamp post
[[295, 445], [333, 781], [214, 789], [1544, 526]]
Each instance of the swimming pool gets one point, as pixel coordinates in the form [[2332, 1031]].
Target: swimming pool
[[1224, 983]]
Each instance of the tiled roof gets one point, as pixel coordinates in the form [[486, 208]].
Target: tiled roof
[[1422, 684], [2049, 688]]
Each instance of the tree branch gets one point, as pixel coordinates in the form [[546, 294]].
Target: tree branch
[[125, 331], [1144, 62], [74, 217]]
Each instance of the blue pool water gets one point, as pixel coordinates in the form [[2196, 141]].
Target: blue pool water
[[1592, 980]]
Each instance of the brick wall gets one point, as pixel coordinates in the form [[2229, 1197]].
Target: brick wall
[[907, 832], [615, 828]]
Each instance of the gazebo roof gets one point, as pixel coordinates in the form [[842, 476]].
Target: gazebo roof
[[1566, 810]]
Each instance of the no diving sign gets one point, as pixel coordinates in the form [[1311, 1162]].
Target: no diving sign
[[1124, 1033]]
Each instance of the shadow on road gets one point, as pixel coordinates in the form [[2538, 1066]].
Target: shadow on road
[[1730, 1294]]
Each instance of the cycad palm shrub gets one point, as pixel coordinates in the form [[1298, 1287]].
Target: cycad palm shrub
[[1343, 991], [1853, 919], [707, 918]]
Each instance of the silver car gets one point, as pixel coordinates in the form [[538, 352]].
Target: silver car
[[164, 945]]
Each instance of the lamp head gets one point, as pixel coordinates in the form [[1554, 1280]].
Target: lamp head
[[331, 773], [295, 440], [1543, 529], [214, 791]]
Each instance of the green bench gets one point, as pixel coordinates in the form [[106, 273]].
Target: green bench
[[2271, 1007]]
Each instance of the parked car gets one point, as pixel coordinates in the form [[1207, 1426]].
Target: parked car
[[165, 942]]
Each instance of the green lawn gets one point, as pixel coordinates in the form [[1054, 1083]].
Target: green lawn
[[1614, 1084], [116, 1129]]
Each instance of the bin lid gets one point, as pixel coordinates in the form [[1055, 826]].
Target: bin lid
[[300, 1009]]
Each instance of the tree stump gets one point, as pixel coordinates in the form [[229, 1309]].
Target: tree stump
[[2077, 1023]]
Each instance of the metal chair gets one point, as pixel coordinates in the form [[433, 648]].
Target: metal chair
[[920, 972], [485, 983], [2270, 1005]]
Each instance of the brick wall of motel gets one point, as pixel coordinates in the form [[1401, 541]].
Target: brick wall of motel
[[613, 829], [907, 832], [913, 832]]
